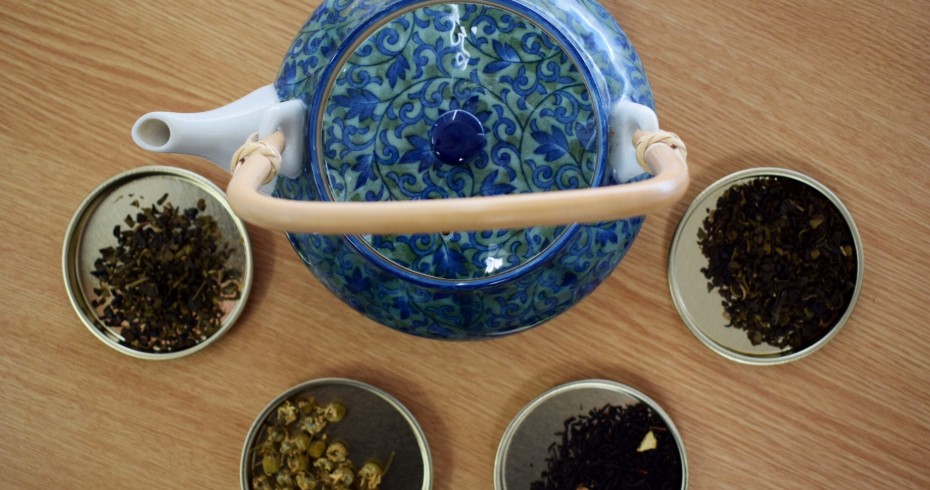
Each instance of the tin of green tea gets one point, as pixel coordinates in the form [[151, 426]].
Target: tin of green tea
[[541, 439], [375, 428], [746, 268], [116, 203]]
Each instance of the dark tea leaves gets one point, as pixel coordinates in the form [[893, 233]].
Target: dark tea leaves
[[782, 258], [163, 286], [613, 447]]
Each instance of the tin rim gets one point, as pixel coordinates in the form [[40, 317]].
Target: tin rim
[[395, 404], [77, 231], [694, 214], [611, 387]]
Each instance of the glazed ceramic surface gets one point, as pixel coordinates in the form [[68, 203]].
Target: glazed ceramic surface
[[416, 100]]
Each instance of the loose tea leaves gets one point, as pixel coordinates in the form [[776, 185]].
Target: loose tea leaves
[[613, 447], [163, 286], [297, 452], [782, 258]]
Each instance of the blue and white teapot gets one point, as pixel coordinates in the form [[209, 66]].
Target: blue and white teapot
[[451, 170]]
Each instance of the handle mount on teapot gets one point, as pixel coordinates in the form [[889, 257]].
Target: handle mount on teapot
[[658, 152]]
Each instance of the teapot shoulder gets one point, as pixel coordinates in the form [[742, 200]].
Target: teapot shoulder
[[584, 26], [603, 45]]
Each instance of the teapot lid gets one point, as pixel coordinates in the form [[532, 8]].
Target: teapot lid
[[438, 101]]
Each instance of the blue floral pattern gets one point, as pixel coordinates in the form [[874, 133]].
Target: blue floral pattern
[[541, 98], [403, 77]]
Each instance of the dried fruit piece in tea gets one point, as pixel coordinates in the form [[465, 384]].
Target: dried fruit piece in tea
[[782, 258], [163, 286], [613, 447], [297, 452]]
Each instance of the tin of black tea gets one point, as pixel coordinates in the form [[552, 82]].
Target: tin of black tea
[[591, 434], [765, 266]]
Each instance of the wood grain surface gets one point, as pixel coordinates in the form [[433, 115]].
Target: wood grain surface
[[836, 89]]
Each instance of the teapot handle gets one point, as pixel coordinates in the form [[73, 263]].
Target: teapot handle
[[660, 153]]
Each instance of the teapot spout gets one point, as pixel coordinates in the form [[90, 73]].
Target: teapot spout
[[215, 135]]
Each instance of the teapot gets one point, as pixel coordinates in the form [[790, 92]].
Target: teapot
[[450, 170]]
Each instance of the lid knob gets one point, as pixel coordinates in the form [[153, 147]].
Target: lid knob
[[457, 137]]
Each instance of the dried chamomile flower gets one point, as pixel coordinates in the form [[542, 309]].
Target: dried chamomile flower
[[298, 462], [337, 452], [324, 466], [369, 477], [276, 433], [287, 413], [261, 482], [302, 442], [270, 464], [343, 474], [317, 448], [284, 479], [306, 482], [312, 425], [306, 406], [288, 446], [334, 412]]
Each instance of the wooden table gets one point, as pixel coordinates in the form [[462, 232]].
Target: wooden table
[[834, 89]]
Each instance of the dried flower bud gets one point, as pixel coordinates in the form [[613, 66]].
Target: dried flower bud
[[317, 448], [343, 474], [334, 412], [302, 441], [325, 466], [369, 477], [270, 464], [287, 413], [306, 482], [312, 425], [276, 433], [298, 462], [306, 406], [284, 479], [337, 452]]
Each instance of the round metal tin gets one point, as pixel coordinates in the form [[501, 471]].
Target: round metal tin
[[91, 229], [701, 309], [375, 425], [524, 447]]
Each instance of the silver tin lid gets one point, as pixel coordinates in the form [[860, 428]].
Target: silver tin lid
[[521, 455], [701, 308], [376, 425], [91, 229]]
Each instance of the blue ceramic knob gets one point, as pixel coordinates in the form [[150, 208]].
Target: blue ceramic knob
[[457, 137]]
